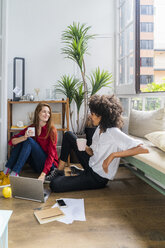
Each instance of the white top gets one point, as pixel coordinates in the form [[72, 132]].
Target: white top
[[113, 140]]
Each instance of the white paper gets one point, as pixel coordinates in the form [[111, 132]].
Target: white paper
[[74, 211]]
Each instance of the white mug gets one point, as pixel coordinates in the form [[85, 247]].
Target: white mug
[[31, 131], [81, 144]]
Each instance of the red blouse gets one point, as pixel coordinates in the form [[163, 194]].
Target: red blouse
[[46, 144]]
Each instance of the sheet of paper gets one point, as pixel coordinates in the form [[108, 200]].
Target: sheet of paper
[[74, 211]]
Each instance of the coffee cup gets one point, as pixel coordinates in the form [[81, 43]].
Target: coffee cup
[[81, 144], [31, 131]]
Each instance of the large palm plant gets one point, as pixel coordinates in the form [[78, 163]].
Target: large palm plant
[[76, 40]]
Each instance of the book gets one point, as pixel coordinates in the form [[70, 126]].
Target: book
[[48, 215], [17, 128]]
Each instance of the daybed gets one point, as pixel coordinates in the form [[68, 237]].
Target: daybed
[[149, 126]]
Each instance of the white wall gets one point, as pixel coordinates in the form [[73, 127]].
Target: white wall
[[34, 32], [3, 84]]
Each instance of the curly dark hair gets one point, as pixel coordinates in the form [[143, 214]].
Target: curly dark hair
[[109, 108]]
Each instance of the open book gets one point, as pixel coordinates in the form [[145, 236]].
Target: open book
[[48, 215]]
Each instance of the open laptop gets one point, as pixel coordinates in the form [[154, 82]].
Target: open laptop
[[28, 189]]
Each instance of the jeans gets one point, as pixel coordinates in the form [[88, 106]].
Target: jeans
[[88, 179], [27, 151]]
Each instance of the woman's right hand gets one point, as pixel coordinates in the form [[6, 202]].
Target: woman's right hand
[[29, 133], [26, 134], [89, 150]]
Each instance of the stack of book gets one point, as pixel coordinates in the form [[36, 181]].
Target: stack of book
[[48, 215]]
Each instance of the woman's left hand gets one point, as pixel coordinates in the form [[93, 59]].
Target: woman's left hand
[[107, 161], [42, 176]]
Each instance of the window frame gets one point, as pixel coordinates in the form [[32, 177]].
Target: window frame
[[137, 41], [125, 88]]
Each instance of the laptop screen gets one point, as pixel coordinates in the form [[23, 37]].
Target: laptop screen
[[28, 188]]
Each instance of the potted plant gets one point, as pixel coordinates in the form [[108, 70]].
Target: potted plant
[[75, 39]]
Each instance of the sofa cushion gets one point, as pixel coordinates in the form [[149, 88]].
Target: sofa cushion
[[155, 158], [157, 138], [145, 122]]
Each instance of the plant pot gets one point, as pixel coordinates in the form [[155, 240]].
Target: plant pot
[[89, 131]]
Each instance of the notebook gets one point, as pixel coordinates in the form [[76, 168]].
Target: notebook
[[48, 215], [28, 189]]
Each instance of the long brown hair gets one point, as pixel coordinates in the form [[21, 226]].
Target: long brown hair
[[51, 130]]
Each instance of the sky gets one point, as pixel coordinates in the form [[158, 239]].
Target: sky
[[159, 24]]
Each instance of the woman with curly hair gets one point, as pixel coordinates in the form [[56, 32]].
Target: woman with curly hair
[[100, 161], [38, 149]]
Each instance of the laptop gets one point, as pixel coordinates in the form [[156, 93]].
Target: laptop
[[28, 189]]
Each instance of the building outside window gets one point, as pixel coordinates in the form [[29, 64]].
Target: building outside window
[[146, 79], [146, 62], [146, 9], [146, 27], [146, 44], [152, 45], [148, 53]]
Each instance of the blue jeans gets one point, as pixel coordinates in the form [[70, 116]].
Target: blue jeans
[[27, 151]]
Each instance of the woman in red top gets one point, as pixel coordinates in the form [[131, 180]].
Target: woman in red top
[[39, 150]]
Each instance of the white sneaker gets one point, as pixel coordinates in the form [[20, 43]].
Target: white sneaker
[[76, 170]]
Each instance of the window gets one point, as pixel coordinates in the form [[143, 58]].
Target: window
[[146, 44], [125, 106], [146, 27], [146, 10], [146, 79], [146, 104], [136, 103], [146, 62], [152, 103], [140, 46], [125, 46], [152, 46]]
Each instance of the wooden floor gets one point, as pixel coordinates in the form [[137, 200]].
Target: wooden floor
[[126, 214]]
